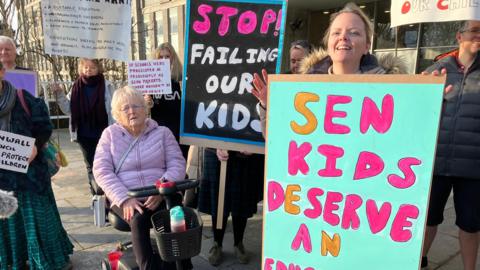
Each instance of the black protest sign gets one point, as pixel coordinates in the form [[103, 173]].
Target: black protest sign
[[227, 42]]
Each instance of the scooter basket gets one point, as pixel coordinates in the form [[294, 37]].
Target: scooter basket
[[179, 245]]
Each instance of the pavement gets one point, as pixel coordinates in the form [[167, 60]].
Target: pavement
[[93, 243]]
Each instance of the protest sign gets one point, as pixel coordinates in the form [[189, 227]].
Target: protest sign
[[348, 174], [228, 41], [14, 151], [23, 79], [91, 29], [150, 76], [417, 11]]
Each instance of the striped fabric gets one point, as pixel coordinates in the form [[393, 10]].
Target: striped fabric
[[34, 233]]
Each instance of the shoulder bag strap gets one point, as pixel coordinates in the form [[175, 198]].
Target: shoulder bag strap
[[126, 154]]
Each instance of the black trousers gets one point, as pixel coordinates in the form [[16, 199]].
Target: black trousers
[[88, 146], [140, 228]]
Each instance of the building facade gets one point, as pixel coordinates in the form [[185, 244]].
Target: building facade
[[417, 44], [158, 21]]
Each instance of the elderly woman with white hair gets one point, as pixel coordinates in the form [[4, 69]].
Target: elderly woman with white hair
[[133, 153], [8, 53]]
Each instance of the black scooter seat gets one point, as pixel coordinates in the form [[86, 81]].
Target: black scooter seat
[[117, 222]]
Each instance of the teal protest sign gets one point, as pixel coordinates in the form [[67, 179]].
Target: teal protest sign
[[349, 167]]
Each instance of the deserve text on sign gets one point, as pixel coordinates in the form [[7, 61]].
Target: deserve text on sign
[[14, 151], [150, 76], [349, 166]]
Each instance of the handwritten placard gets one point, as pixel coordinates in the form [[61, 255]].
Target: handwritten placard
[[349, 166], [150, 76], [14, 151], [23, 79], [227, 42], [92, 29]]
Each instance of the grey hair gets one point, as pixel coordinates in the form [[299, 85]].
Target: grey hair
[[351, 8], [463, 26], [123, 95], [5, 39], [303, 45]]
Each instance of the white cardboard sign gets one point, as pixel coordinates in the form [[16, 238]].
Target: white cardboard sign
[[91, 29], [417, 11], [150, 76], [14, 151]]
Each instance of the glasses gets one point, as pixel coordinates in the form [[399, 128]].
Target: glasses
[[134, 107], [475, 31]]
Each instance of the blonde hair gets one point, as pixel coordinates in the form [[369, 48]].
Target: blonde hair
[[82, 61], [124, 95], [175, 64], [351, 8]]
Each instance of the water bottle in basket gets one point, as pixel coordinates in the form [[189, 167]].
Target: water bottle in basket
[[177, 220]]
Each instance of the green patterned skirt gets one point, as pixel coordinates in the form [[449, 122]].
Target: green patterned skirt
[[35, 233]]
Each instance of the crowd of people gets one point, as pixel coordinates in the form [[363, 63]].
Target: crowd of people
[[123, 148]]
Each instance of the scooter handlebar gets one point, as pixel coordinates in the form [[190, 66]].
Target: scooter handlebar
[[164, 188], [142, 192]]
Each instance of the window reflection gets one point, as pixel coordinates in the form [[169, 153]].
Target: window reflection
[[384, 33], [173, 19], [407, 36], [159, 28], [428, 54], [439, 34], [147, 37]]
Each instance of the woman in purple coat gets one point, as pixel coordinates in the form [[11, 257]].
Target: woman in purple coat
[[149, 152]]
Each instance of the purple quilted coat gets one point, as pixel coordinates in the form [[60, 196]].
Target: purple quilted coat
[[156, 155]]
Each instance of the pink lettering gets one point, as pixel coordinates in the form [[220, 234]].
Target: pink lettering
[[268, 264], [381, 122], [294, 267], [296, 158], [281, 266], [312, 195], [368, 165], [330, 113], [278, 25], [247, 22], [302, 236], [203, 27], [276, 196], [268, 17], [331, 204], [377, 220], [226, 13], [331, 153], [404, 165], [350, 217], [398, 233]]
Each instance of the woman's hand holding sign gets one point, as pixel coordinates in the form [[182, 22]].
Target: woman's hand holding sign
[[222, 154], [260, 89]]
